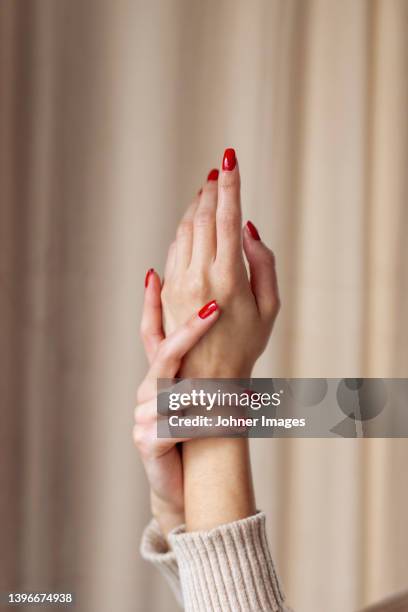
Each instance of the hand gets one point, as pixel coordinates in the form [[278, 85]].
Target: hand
[[161, 456], [206, 261]]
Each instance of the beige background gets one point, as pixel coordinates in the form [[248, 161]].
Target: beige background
[[111, 113]]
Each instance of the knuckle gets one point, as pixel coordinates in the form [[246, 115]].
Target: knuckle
[[138, 436], [141, 440], [227, 280], [203, 218], [136, 416], [229, 220], [185, 228], [199, 288], [191, 287]]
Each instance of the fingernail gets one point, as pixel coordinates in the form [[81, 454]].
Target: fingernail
[[253, 231], [148, 275], [213, 175], [208, 309], [229, 160]]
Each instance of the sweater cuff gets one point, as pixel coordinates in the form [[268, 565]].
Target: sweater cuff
[[154, 548], [228, 568]]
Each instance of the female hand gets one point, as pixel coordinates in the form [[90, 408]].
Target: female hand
[[206, 261], [161, 456]]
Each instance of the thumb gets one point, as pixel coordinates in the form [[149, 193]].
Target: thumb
[[262, 269]]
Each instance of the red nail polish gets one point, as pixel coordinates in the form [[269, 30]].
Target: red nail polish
[[148, 275], [200, 192], [213, 175], [229, 160], [208, 309], [253, 231]]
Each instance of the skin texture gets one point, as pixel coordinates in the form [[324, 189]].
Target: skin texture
[[206, 262]]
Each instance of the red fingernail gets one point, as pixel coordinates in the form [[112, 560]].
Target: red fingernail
[[208, 309], [213, 175], [148, 275], [253, 231], [229, 160]]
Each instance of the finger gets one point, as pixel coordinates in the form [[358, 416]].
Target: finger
[[149, 445], [145, 430], [168, 358], [262, 269], [151, 329], [170, 262], [184, 240], [145, 411], [228, 218], [204, 236]]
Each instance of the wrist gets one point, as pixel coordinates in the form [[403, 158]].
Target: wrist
[[167, 514]]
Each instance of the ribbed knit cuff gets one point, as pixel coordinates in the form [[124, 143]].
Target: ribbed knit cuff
[[228, 568], [154, 548]]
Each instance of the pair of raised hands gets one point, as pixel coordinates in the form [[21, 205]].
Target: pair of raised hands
[[208, 319]]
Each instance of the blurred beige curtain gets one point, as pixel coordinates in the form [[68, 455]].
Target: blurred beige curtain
[[111, 113]]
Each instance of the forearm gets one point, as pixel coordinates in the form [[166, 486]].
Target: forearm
[[217, 482], [217, 471]]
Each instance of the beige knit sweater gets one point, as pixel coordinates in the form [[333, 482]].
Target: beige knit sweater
[[227, 569]]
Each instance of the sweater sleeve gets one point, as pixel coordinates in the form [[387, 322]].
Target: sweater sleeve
[[154, 548], [228, 568]]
